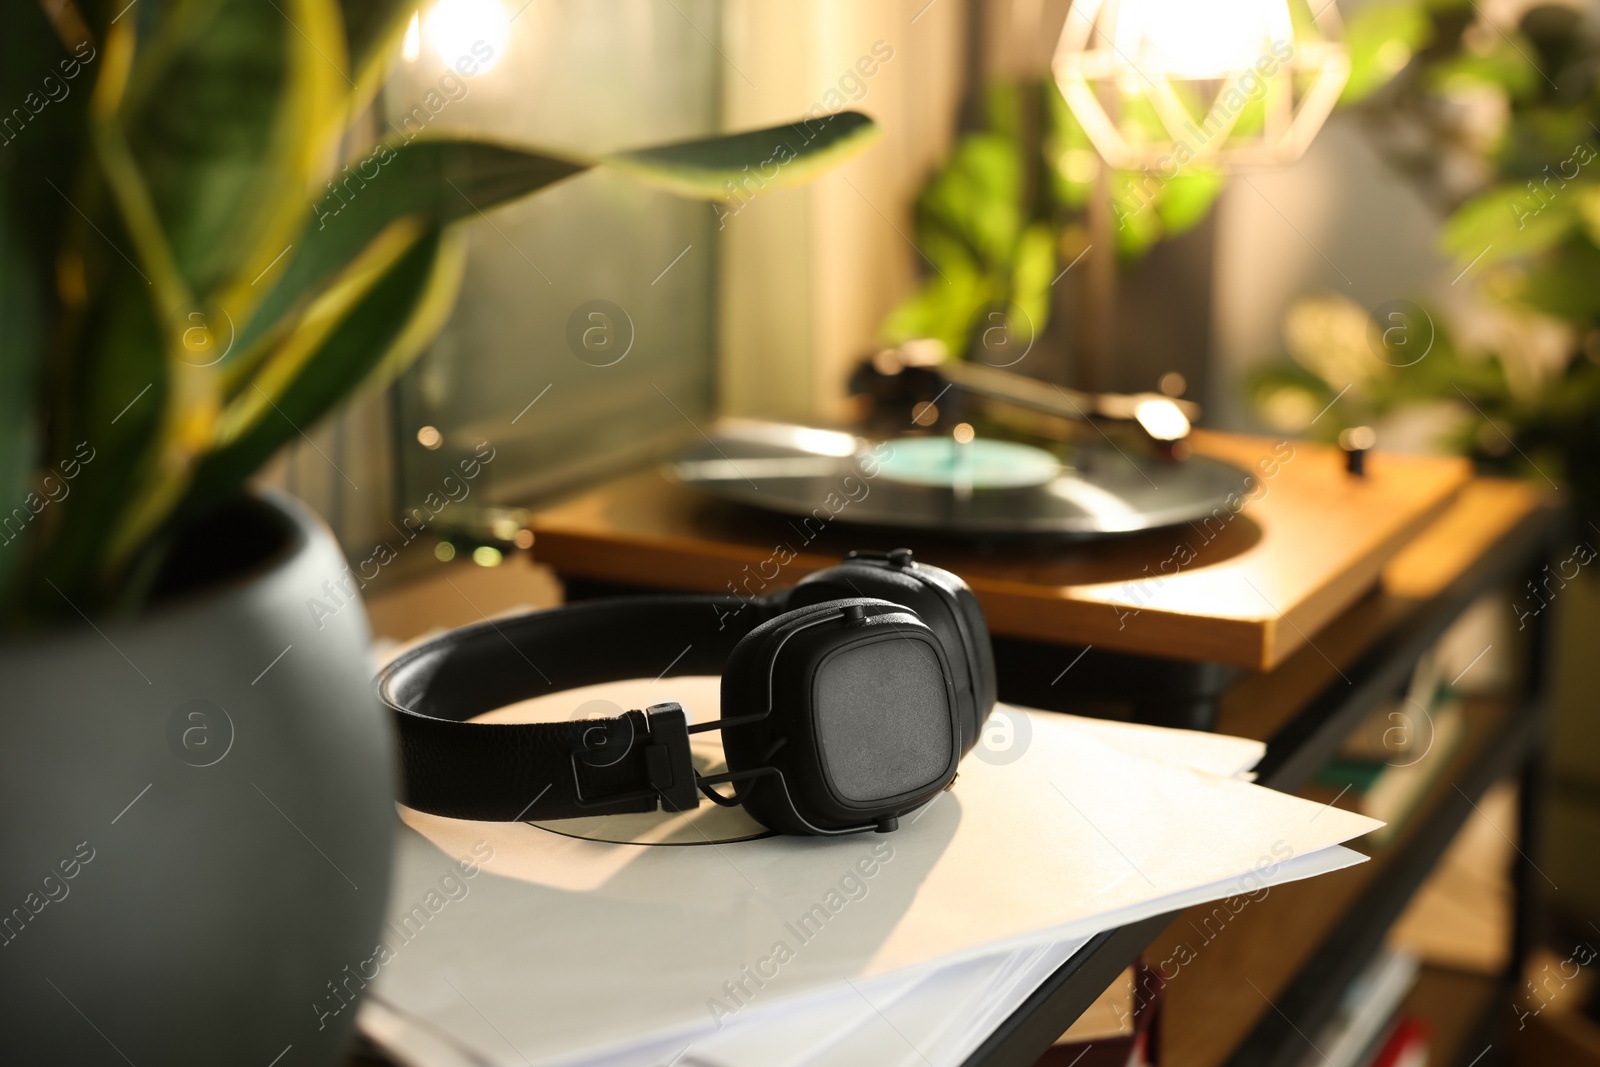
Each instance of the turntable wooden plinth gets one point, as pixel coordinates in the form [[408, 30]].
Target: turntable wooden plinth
[[1245, 587]]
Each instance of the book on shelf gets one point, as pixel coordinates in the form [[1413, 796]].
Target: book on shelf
[[1407, 1045], [1360, 1029], [1461, 915], [1391, 789], [1394, 730]]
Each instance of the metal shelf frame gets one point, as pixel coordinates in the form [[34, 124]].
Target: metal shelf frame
[[1295, 753]]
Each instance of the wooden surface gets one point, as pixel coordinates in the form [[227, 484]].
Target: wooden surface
[[1474, 525], [1246, 589], [458, 593]]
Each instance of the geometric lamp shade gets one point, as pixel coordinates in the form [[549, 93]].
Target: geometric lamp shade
[[1157, 84]]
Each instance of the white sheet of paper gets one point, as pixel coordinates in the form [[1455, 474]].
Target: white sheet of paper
[[951, 1011], [1218, 754], [942, 1016], [566, 948], [924, 1019]]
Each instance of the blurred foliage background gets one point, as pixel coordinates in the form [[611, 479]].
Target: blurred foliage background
[[1490, 110], [1006, 212], [1005, 215], [1494, 119]]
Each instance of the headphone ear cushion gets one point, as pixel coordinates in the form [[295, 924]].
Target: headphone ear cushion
[[778, 712], [943, 601], [745, 681], [745, 676], [856, 579]]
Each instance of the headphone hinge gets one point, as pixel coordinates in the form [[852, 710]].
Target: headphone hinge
[[666, 758], [660, 735]]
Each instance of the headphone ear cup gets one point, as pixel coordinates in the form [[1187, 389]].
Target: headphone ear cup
[[745, 676], [856, 578], [750, 745], [943, 601]]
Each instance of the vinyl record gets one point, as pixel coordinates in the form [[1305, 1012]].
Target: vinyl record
[[983, 488]]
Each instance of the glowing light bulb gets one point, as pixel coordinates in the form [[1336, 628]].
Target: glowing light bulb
[[476, 29], [1195, 68], [413, 46], [1193, 40]]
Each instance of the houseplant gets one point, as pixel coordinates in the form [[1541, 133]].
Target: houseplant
[[200, 781], [1007, 211], [1495, 122]]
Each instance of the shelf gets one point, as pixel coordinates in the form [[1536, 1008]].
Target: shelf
[[1306, 710], [1305, 996], [1485, 538], [1299, 945], [1454, 1003], [1302, 943]]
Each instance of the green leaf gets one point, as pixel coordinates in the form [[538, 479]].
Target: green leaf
[[1287, 397], [739, 165], [1381, 39], [373, 29], [442, 180], [976, 199], [1564, 285], [1148, 208], [119, 405], [288, 359], [1186, 199], [1031, 277], [384, 330], [1069, 149], [1505, 66], [1440, 374], [48, 147], [21, 349], [1138, 224], [44, 150], [1548, 145], [227, 118], [944, 308], [1512, 221], [436, 181]]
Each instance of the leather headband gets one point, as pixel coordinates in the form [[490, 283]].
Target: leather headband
[[510, 771]]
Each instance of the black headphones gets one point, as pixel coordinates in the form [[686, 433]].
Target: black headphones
[[848, 700]]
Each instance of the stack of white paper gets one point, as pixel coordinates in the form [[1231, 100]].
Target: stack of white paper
[[513, 944]]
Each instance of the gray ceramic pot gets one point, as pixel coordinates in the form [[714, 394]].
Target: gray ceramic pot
[[197, 812]]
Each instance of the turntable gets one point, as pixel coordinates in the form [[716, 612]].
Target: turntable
[[1007, 455], [960, 484], [1242, 587]]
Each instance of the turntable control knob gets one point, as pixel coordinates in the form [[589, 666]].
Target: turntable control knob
[[1357, 441], [900, 558]]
